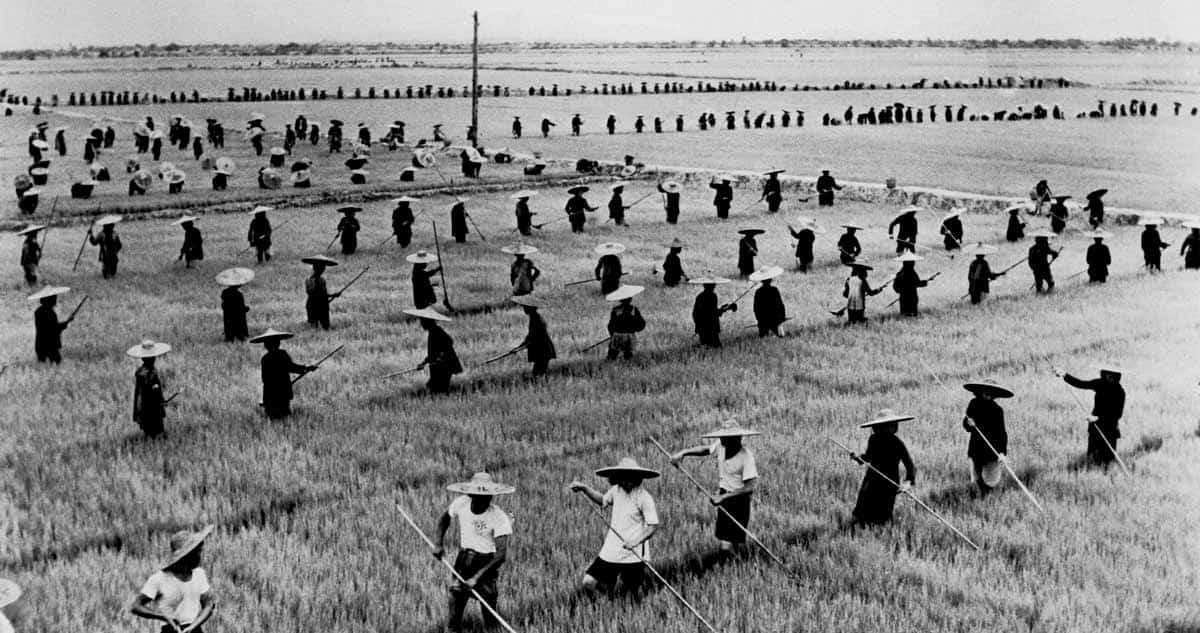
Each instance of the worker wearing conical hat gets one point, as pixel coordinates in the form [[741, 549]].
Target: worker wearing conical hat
[[1190, 249], [149, 406], [906, 284], [1152, 245], [348, 228], [608, 268], [671, 192], [316, 304], [979, 273], [848, 246], [723, 196], [905, 226], [110, 245], [31, 253], [707, 311], [276, 369], [624, 322], [524, 215], [1098, 258], [1059, 214], [747, 251], [576, 124], [1095, 208], [737, 475], [805, 238], [769, 311], [622, 558], [402, 220], [772, 191], [1042, 195], [952, 231], [47, 339], [1016, 226], [539, 347], [516, 127], [616, 206], [259, 234], [233, 303], [886, 452], [523, 273], [575, 208], [179, 594], [856, 289], [458, 220], [483, 534], [825, 184], [1041, 255], [984, 420], [673, 266], [193, 242], [440, 357], [422, 278], [1108, 407]]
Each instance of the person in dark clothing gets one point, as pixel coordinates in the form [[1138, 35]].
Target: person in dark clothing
[[276, 372], [576, 124], [546, 125], [301, 125], [1095, 208], [347, 229], [848, 247], [149, 406], [826, 185], [197, 148], [316, 305], [1098, 258], [905, 227], [109, 243], [422, 279], [402, 220], [314, 134], [885, 452], [576, 207], [193, 242], [1016, 227], [259, 235], [1107, 409], [1042, 195], [671, 191], [979, 273], [906, 283], [47, 338], [233, 303], [521, 210], [611, 123], [364, 135], [1059, 214], [769, 312], [31, 252], [335, 140], [988, 446], [1152, 244], [539, 347], [772, 190], [679, 123], [747, 250], [723, 197], [707, 311], [220, 180], [1041, 255], [952, 230], [1190, 249], [289, 138], [672, 266], [523, 273], [805, 238], [440, 357], [608, 268], [616, 206], [516, 127], [624, 322]]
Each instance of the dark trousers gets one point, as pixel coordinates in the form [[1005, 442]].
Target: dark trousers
[[48, 355], [30, 273], [577, 221], [908, 304], [825, 198], [1041, 277], [1097, 451], [856, 316], [723, 210], [467, 564], [108, 268], [439, 380], [540, 367]]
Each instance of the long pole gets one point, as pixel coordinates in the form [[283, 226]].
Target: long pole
[[81, 247], [475, 82], [454, 572], [720, 509], [1099, 432], [897, 299], [351, 282], [318, 363], [910, 495], [596, 344], [437, 243]]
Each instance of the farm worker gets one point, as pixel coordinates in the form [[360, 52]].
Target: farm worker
[[769, 312], [952, 230], [575, 208], [747, 249], [1098, 258], [233, 303], [9, 592], [984, 420], [516, 127], [259, 235], [670, 190], [347, 229], [634, 520], [1016, 228], [576, 124], [848, 247], [1107, 409], [772, 190], [672, 266], [905, 227], [1152, 244], [31, 252], [521, 210], [483, 533], [422, 278], [1041, 196], [723, 197], [109, 243], [979, 273], [1190, 249], [707, 310], [906, 283], [679, 123], [1059, 214], [855, 290], [277, 368], [608, 267], [825, 187], [616, 207], [523, 273], [179, 594], [885, 451], [611, 123], [804, 243], [538, 345], [148, 404], [737, 476], [193, 242], [402, 220], [1095, 207], [364, 134], [440, 357], [316, 304], [546, 125], [624, 322], [458, 220], [640, 124], [1040, 258], [47, 337]]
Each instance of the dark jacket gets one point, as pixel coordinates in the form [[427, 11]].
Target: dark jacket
[[848, 247], [521, 275], [804, 243], [233, 311], [877, 497], [440, 355], [1152, 244], [193, 244], [980, 276], [989, 419], [260, 232], [458, 221], [608, 272], [537, 341], [907, 281], [616, 208], [524, 216], [723, 195], [277, 370], [47, 330], [147, 396], [672, 270], [952, 233], [768, 307], [422, 288], [1098, 259], [110, 246], [1040, 256], [906, 228], [1109, 403], [747, 249], [1016, 228], [625, 319], [706, 315]]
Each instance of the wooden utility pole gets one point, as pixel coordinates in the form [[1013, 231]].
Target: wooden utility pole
[[475, 83]]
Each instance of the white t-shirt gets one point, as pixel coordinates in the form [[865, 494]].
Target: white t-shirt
[[174, 597], [735, 471], [631, 513], [478, 532]]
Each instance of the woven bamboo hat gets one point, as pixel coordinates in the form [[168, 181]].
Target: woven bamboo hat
[[766, 272], [730, 428], [481, 484], [627, 467], [426, 313], [148, 349], [185, 542], [624, 292], [610, 248], [421, 257], [988, 386], [47, 292], [885, 416], [235, 276], [271, 334]]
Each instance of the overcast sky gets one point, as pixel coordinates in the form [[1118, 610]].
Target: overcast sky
[[54, 23]]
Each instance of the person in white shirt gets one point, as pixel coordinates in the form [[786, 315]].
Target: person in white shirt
[[483, 533], [179, 595], [634, 520], [9, 592], [737, 474], [856, 290]]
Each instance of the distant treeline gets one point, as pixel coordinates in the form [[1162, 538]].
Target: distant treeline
[[302, 49]]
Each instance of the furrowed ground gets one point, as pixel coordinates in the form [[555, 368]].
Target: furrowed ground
[[308, 536]]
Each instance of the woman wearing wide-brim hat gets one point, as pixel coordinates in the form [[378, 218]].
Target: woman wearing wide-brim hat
[[1152, 244], [277, 368], [737, 476], [856, 289], [707, 310], [31, 252], [440, 357], [347, 229], [769, 311], [723, 196], [672, 265], [47, 338], [9, 593], [952, 230], [1059, 214], [805, 237], [149, 406], [979, 273], [109, 243], [193, 242], [747, 250], [1041, 255], [576, 208], [539, 347], [634, 520], [848, 246], [671, 191], [483, 533], [233, 303], [523, 273], [608, 268], [885, 452], [984, 420], [179, 594], [772, 190], [624, 322], [402, 220], [175, 179], [422, 278], [1098, 257], [317, 295], [1108, 407]]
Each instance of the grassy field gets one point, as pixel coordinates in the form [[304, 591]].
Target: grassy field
[[308, 539]]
